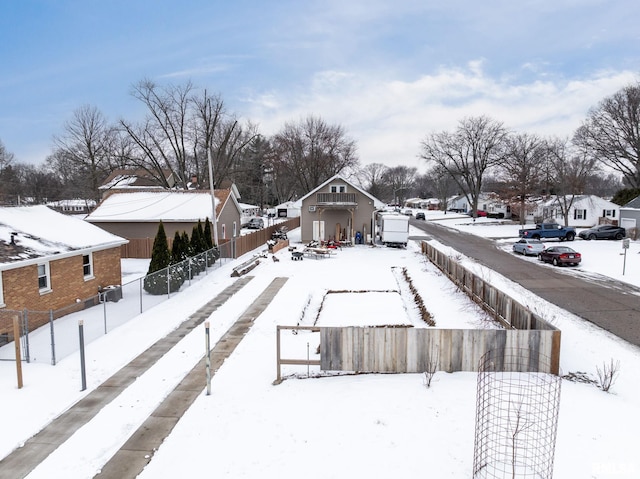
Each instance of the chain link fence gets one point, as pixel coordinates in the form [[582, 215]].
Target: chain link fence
[[49, 336]]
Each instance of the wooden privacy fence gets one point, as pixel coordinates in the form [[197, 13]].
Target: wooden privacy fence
[[500, 305], [229, 248], [413, 350], [403, 349]]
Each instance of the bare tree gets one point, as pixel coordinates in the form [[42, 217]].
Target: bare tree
[[400, 181], [611, 133], [523, 167], [86, 144], [6, 157], [442, 183], [570, 168], [312, 151], [372, 178], [466, 154], [165, 138], [220, 132]]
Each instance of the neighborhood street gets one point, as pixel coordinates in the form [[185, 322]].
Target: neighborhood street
[[610, 304]]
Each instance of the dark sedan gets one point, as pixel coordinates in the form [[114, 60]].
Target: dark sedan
[[560, 255], [603, 232]]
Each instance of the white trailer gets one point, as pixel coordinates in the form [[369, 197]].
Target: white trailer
[[394, 230]]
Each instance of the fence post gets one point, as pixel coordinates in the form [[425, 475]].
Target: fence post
[[53, 338], [208, 356], [104, 310], [278, 375], [25, 329], [16, 341], [82, 362], [140, 289]]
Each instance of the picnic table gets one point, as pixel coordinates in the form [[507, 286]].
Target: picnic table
[[317, 252]]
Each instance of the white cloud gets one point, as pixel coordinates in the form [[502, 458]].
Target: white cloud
[[389, 118]]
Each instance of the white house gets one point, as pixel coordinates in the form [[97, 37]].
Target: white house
[[458, 203], [288, 209], [585, 211]]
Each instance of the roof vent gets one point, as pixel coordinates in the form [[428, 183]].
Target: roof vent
[[13, 237]]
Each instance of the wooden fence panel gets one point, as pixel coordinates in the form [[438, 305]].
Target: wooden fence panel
[[411, 350], [230, 248]]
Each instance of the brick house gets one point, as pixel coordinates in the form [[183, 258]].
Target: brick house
[[49, 260]]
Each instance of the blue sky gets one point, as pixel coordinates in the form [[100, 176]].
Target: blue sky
[[388, 72]]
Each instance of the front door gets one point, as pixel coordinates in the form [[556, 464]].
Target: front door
[[318, 230]]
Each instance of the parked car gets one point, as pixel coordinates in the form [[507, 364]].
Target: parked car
[[527, 246], [408, 212], [479, 213], [603, 232], [560, 255], [549, 230], [420, 215], [255, 223]]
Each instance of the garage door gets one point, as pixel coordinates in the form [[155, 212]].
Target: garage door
[[628, 223]]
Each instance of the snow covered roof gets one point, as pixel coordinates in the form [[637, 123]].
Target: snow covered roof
[[376, 202], [148, 206], [139, 179], [40, 232], [74, 202], [634, 203]]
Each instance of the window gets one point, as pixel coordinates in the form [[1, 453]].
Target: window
[[43, 277], [609, 213], [235, 229], [338, 188], [87, 265], [224, 231], [579, 214]]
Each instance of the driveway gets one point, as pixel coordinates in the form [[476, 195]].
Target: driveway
[[610, 304]]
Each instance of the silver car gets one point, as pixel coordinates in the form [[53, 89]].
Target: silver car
[[527, 246]]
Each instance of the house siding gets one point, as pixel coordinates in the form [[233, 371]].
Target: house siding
[[360, 213], [66, 280]]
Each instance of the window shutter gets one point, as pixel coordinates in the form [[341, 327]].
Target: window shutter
[[575, 214]]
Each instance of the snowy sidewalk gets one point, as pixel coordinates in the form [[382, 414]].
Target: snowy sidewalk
[[22, 461]]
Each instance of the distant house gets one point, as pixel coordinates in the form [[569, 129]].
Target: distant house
[[127, 180], [136, 215], [585, 211], [73, 207], [248, 212], [336, 210], [288, 209], [630, 217], [458, 204], [49, 260]]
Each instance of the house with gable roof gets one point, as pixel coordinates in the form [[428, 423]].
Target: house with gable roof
[[49, 260], [337, 210], [585, 211], [630, 217], [136, 215]]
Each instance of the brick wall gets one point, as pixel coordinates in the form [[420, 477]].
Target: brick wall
[[66, 280]]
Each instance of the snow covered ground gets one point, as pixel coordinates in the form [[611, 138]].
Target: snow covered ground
[[330, 427]]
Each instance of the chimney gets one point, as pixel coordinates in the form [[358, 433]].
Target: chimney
[[13, 237]]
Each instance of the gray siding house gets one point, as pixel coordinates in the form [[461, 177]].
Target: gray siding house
[[336, 211], [630, 216]]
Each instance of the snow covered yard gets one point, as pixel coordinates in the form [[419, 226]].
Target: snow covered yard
[[362, 425]]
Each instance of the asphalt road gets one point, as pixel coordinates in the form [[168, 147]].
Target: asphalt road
[[610, 304]]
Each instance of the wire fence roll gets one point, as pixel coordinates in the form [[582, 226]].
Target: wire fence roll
[[517, 408]]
